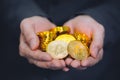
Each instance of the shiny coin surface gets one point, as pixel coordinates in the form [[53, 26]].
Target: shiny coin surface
[[83, 38], [61, 30], [65, 37], [45, 37], [57, 49], [77, 50]]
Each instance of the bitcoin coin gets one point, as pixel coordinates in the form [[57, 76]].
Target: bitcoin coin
[[65, 37], [57, 49], [77, 50]]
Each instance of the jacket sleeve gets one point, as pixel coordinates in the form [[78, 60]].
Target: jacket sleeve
[[107, 14], [16, 10]]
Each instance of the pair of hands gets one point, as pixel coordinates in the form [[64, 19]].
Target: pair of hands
[[29, 42]]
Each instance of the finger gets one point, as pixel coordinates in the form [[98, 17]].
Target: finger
[[54, 64], [92, 61], [41, 64], [82, 68], [25, 51], [57, 64], [69, 24], [97, 42], [27, 29], [66, 69], [75, 63], [68, 61]]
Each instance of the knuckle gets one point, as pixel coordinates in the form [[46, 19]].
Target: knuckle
[[35, 17], [101, 58], [37, 63], [30, 61], [24, 22], [102, 28], [101, 54], [21, 54], [21, 51]]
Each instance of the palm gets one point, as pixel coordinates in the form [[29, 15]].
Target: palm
[[94, 30]]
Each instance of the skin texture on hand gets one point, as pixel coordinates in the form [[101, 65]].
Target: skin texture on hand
[[29, 43], [95, 31]]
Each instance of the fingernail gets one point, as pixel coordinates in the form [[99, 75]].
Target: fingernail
[[66, 69]]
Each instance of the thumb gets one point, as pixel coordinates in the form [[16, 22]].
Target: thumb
[[70, 25], [30, 36], [97, 43]]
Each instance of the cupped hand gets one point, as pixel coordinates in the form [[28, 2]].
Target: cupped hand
[[29, 43], [95, 31]]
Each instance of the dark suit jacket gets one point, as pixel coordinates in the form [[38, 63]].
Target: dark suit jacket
[[105, 12]]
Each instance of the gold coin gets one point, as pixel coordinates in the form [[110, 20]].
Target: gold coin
[[65, 37], [45, 37], [61, 30], [57, 49], [83, 38], [77, 50]]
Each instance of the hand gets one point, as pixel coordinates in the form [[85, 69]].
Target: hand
[[29, 43], [86, 24]]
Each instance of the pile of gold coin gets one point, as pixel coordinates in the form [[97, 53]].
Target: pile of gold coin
[[59, 43]]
